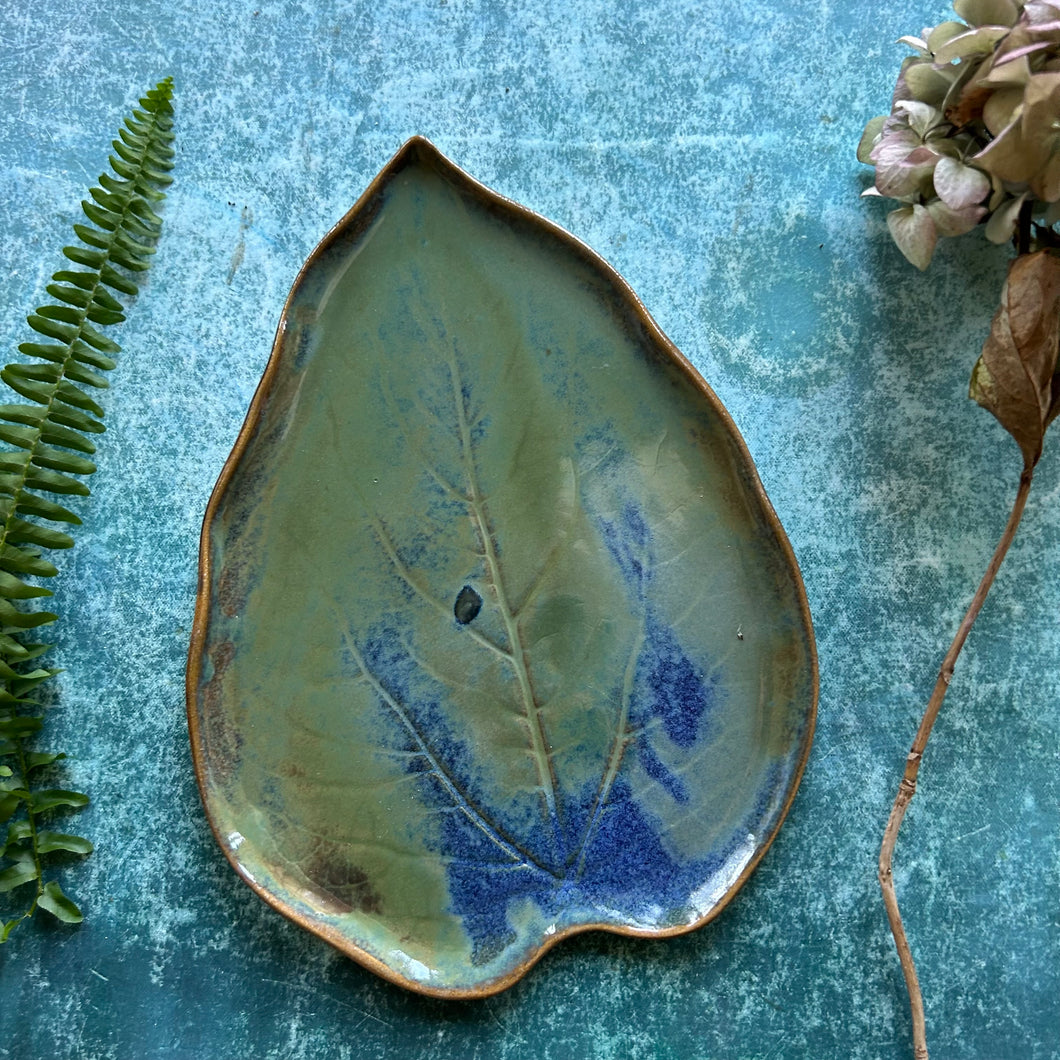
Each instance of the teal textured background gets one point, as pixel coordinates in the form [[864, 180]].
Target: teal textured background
[[707, 151]]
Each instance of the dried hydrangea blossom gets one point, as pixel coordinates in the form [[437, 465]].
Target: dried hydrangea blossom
[[974, 130]]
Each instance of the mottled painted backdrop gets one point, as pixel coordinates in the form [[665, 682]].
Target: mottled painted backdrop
[[706, 150]]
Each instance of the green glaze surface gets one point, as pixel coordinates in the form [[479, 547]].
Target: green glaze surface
[[499, 637]]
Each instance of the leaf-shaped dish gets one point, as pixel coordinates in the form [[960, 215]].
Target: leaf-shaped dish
[[498, 638]]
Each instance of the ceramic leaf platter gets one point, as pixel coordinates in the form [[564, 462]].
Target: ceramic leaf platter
[[498, 638]]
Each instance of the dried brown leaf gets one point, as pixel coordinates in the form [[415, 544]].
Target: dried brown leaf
[[1014, 376]]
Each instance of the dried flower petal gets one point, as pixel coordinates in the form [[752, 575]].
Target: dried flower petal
[[950, 222], [1000, 109], [1005, 71], [979, 41], [913, 229], [870, 137], [943, 32], [1040, 15], [1009, 156], [958, 185], [1041, 134], [916, 42], [1022, 52], [908, 175], [930, 84], [987, 12], [1002, 224], [921, 117]]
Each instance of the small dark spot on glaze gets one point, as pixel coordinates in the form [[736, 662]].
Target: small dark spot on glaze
[[467, 606]]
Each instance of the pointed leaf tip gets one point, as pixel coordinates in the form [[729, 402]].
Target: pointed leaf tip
[[1014, 377]]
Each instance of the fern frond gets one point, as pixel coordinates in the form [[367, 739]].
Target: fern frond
[[48, 439]]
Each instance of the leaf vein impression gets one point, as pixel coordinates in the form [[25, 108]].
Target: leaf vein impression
[[623, 737], [417, 587], [538, 741], [475, 815]]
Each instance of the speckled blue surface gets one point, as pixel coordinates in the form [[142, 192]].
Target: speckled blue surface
[[706, 150]]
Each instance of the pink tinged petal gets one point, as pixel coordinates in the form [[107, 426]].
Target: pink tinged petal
[[922, 155], [908, 176], [950, 222], [1002, 221], [984, 12], [1036, 11], [893, 149], [1039, 17], [979, 41], [958, 185], [894, 143], [922, 116], [890, 151], [914, 231], [1004, 72], [1022, 52]]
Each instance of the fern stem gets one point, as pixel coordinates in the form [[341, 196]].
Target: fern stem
[[34, 832], [49, 435]]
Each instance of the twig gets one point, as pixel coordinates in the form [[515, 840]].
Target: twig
[[1023, 227], [907, 788]]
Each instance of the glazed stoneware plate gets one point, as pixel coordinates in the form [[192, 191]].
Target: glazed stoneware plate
[[498, 638]]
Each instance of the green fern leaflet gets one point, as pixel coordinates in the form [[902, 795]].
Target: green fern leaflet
[[47, 454]]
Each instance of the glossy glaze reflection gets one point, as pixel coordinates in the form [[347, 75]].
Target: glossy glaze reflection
[[498, 638]]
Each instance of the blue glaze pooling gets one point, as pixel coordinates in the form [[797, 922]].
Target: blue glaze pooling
[[410, 707], [676, 689], [628, 540], [627, 872], [669, 686], [603, 854]]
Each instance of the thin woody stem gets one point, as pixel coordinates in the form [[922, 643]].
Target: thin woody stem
[[1023, 228], [907, 788]]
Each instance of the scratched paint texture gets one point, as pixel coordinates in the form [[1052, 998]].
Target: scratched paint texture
[[706, 150]]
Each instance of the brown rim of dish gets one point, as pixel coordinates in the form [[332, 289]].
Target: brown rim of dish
[[419, 149]]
